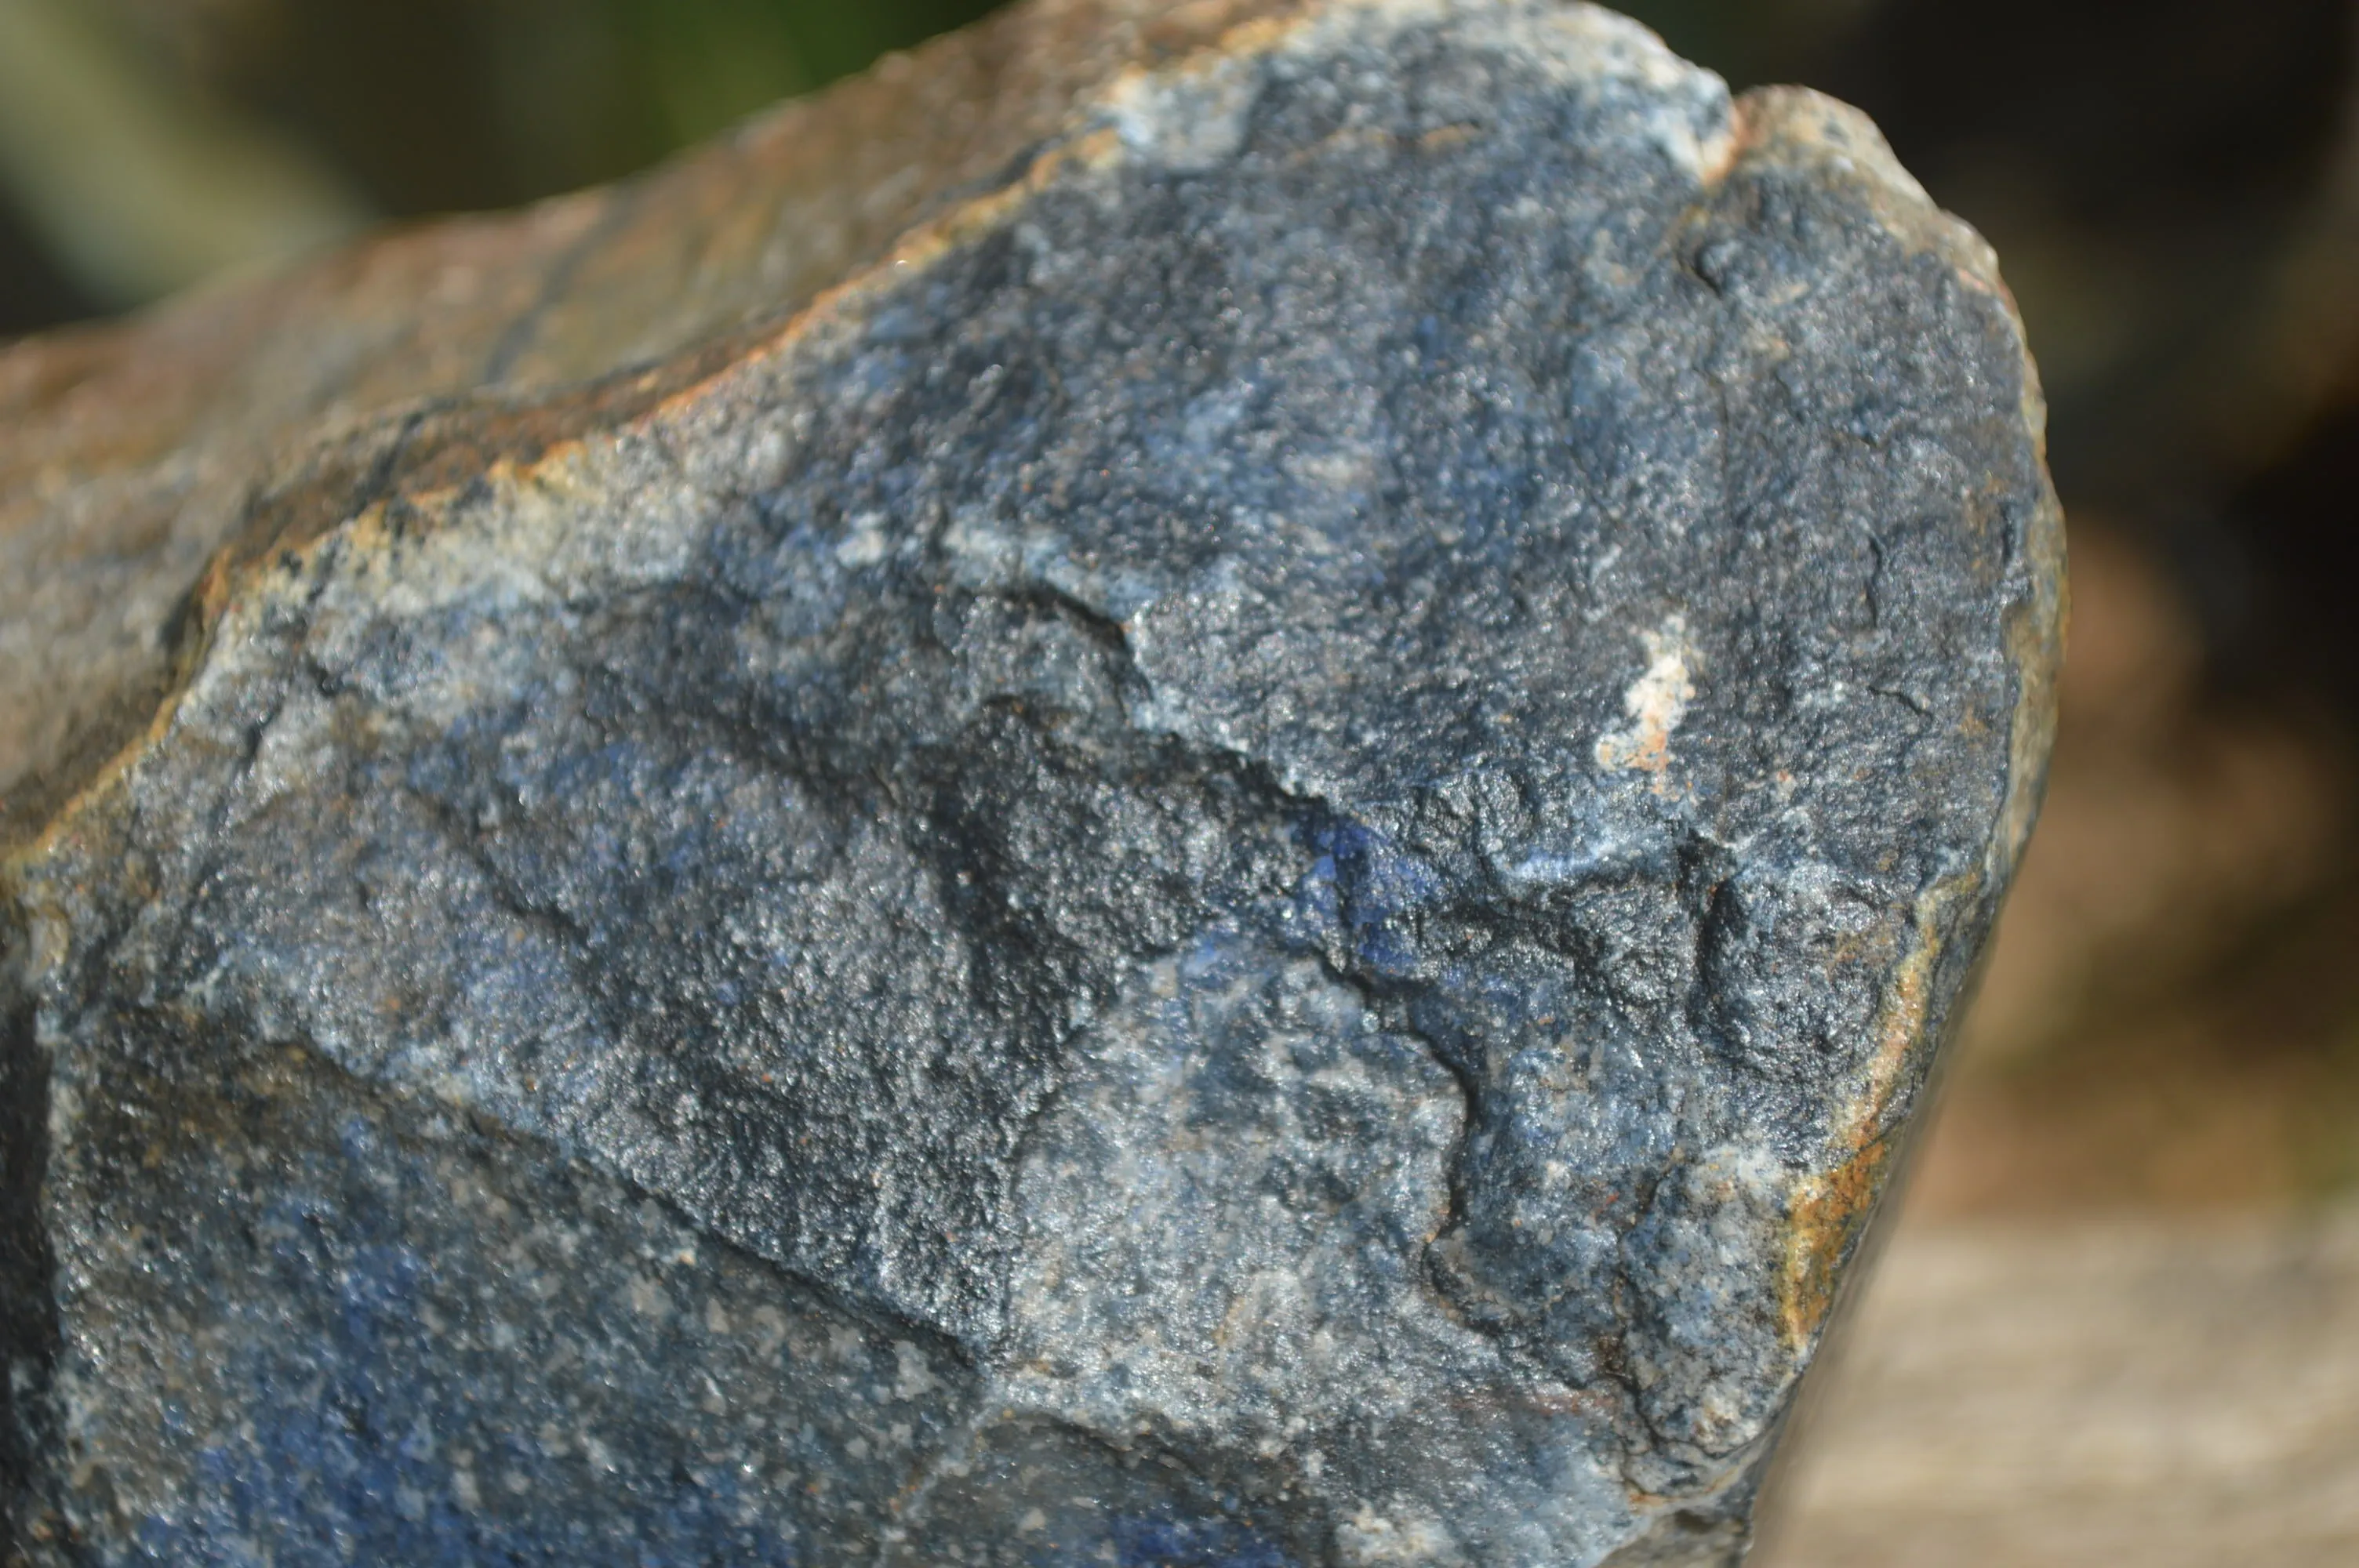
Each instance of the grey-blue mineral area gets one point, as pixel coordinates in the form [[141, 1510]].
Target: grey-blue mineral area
[[1250, 856]]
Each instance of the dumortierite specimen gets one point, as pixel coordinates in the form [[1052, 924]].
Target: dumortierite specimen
[[1249, 858]]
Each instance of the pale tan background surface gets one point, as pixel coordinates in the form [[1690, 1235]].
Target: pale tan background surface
[[2165, 1392]]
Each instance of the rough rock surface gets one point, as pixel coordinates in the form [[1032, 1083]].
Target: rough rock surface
[[1250, 857]]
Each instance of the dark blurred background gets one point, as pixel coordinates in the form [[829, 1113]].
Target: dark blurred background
[[2168, 1035]]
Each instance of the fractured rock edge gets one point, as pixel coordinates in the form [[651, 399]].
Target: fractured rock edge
[[1769, 128]]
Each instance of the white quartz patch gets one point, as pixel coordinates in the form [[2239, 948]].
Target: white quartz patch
[[1655, 704]]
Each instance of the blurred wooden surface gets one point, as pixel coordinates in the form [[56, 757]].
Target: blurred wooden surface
[[2035, 1393]]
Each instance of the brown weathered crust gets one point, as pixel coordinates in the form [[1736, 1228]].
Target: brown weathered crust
[[282, 405]]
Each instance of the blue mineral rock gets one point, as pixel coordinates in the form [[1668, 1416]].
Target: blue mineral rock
[[1237, 840]]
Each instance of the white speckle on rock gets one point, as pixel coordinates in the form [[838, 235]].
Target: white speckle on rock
[[1371, 1538], [866, 545], [1655, 703], [648, 1299], [1189, 119], [910, 1376]]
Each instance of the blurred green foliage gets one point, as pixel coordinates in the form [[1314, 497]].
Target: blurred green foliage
[[436, 104], [439, 104]]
